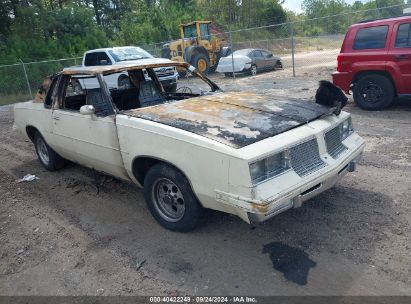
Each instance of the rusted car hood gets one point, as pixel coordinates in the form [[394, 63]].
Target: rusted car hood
[[236, 119]]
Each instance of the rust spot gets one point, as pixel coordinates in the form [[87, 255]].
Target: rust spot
[[43, 89], [110, 69], [236, 119], [259, 208]]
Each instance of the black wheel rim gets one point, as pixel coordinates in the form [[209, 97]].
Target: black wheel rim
[[372, 92]]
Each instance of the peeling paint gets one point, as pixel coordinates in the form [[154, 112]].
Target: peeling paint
[[236, 119]]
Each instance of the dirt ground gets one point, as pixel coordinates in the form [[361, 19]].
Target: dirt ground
[[59, 237]]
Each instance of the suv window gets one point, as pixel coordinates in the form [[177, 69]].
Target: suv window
[[371, 38], [403, 36]]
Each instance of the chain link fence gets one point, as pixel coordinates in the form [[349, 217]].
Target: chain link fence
[[307, 48], [20, 81]]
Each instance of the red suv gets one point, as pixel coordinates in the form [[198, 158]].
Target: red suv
[[375, 62]]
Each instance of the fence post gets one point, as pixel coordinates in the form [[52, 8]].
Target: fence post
[[232, 54], [27, 78], [292, 47]]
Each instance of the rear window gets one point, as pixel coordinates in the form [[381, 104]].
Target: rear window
[[371, 38], [403, 39]]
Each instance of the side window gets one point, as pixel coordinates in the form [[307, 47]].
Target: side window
[[371, 38], [103, 59], [204, 31], [77, 94], [257, 54], [265, 54], [91, 59], [403, 39]]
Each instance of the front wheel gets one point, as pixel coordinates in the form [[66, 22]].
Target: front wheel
[[47, 156], [373, 92], [253, 70], [201, 63], [170, 199], [278, 65]]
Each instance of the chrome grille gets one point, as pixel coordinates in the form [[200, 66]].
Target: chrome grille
[[334, 143], [162, 72], [305, 158]]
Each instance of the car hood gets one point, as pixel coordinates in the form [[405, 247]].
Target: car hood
[[236, 119]]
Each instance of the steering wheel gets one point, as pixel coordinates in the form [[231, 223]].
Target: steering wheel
[[184, 90]]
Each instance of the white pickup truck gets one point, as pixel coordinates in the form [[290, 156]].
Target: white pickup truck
[[252, 155], [119, 55]]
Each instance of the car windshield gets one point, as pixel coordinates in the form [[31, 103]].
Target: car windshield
[[244, 52], [131, 53]]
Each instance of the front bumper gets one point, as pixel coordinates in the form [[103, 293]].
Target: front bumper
[[293, 197], [342, 80], [296, 201]]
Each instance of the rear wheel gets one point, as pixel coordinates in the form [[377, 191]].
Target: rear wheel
[[201, 63], [373, 92], [47, 156], [170, 199]]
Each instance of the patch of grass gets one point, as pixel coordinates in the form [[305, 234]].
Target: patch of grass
[[13, 98]]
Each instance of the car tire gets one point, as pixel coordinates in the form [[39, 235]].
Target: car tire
[[278, 65], [373, 92], [253, 70], [50, 160], [201, 62], [170, 198], [124, 82]]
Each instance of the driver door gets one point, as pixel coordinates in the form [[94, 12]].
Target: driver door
[[88, 139]]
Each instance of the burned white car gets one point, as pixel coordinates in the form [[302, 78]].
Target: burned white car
[[242, 153]]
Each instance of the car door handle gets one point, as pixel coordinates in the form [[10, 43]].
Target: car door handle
[[401, 57], [56, 118]]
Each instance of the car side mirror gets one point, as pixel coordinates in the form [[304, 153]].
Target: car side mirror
[[87, 110], [270, 55]]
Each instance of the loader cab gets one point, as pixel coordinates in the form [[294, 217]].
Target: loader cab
[[196, 29]]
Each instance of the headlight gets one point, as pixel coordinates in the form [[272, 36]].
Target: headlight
[[269, 167], [346, 128]]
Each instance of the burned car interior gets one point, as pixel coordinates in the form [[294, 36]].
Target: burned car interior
[[144, 90]]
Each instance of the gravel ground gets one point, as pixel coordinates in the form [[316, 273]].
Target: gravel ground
[[59, 237]]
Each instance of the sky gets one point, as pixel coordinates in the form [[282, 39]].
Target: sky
[[295, 5]]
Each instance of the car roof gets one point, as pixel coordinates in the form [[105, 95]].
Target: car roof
[[125, 66], [112, 48], [384, 21]]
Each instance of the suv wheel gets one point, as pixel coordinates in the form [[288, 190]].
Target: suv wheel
[[170, 199], [373, 92]]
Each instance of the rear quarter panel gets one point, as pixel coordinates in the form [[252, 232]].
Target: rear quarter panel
[[34, 115]]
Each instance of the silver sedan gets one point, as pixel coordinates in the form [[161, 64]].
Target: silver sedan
[[249, 60]]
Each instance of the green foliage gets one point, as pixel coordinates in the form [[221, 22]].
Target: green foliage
[[33, 30]]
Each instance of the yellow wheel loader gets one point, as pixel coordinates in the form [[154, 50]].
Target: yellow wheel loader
[[196, 47]]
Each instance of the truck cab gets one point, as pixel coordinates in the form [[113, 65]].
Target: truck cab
[[120, 55]]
